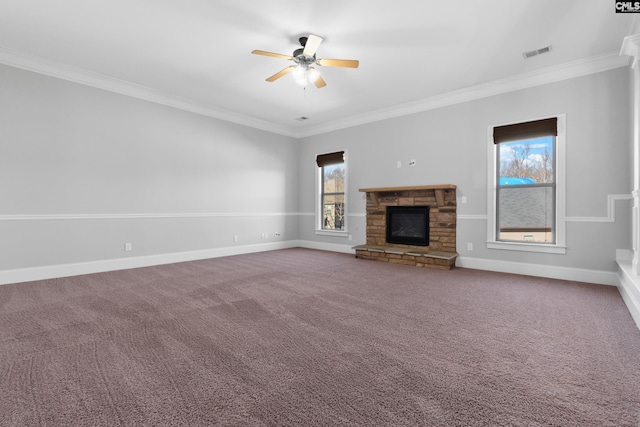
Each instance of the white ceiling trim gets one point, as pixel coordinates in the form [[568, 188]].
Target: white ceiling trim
[[522, 81], [51, 68], [25, 61]]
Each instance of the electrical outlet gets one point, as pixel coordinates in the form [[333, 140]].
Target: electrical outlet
[[128, 247], [469, 246], [463, 199], [236, 238]]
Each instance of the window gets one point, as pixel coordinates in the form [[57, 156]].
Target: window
[[332, 191], [526, 190], [527, 170]]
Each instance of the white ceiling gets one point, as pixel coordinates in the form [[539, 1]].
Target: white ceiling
[[414, 54]]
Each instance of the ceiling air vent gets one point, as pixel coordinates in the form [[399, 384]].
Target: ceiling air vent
[[540, 51], [302, 118]]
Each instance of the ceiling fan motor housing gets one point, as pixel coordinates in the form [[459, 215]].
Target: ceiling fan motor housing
[[301, 58]]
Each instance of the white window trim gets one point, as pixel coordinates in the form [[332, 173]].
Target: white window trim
[[338, 233], [560, 246], [318, 229]]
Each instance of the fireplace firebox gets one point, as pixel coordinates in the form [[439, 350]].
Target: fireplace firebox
[[408, 225]]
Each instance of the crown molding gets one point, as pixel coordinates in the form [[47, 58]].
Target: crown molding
[[631, 47], [522, 81], [25, 61]]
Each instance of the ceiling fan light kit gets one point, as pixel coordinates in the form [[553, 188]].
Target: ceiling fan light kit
[[305, 57], [303, 74]]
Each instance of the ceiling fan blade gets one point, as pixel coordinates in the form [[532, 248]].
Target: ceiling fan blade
[[311, 45], [281, 73], [275, 55], [320, 82], [348, 63]]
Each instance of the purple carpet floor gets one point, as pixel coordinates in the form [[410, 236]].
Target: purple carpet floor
[[300, 337]]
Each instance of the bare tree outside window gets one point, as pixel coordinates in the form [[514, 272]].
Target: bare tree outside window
[[527, 159], [333, 180]]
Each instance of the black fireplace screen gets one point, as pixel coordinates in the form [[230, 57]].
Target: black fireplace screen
[[408, 225]]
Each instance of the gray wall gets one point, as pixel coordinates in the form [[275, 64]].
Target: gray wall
[[82, 171], [450, 147]]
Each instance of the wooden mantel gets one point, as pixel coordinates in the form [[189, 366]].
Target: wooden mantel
[[410, 188], [373, 192]]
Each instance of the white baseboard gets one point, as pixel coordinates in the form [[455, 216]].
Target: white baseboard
[[75, 269], [629, 288], [553, 272], [65, 270]]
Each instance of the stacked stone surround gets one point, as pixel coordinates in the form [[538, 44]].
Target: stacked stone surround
[[441, 252]]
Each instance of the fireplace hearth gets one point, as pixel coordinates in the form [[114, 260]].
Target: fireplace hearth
[[424, 243]]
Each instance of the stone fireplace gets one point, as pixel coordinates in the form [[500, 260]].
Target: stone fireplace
[[439, 201], [408, 225]]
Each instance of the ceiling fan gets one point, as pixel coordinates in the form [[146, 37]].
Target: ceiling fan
[[304, 58]]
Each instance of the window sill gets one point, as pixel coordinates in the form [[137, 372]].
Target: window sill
[[338, 233], [528, 247]]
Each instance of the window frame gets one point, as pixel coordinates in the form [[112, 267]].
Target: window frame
[[559, 247], [319, 230]]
